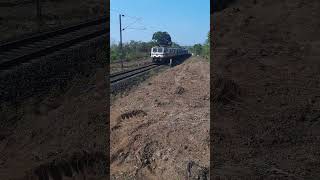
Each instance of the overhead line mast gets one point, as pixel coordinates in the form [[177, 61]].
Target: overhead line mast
[[121, 52]]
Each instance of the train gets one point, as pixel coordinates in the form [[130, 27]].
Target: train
[[161, 54]]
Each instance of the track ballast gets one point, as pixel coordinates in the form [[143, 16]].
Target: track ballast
[[24, 50]]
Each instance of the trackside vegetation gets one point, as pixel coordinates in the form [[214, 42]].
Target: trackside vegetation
[[135, 50], [202, 49]]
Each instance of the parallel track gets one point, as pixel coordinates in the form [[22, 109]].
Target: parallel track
[[21, 51], [116, 77]]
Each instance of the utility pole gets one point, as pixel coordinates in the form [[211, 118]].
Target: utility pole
[[121, 53]]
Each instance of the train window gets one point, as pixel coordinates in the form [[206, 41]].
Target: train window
[[154, 49], [160, 49]]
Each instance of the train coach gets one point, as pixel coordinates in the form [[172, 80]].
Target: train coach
[[167, 54]]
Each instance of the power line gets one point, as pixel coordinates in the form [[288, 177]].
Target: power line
[[138, 28], [131, 23], [138, 19], [147, 29], [126, 15]]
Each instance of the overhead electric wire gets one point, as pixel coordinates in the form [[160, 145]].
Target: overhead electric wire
[[147, 29], [138, 19], [126, 15], [131, 24], [137, 28]]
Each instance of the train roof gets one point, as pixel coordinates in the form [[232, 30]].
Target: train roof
[[168, 47]]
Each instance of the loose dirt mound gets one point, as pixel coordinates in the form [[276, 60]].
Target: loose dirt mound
[[47, 135], [270, 51], [168, 135]]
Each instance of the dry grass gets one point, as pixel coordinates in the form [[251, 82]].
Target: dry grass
[[160, 127]]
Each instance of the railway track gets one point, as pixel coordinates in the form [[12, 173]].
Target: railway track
[[121, 76], [24, 50]]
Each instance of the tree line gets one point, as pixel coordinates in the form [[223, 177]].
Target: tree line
[[134, 50], [202, 49]]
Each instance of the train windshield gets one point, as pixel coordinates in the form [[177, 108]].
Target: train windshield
[[160, 49], [154, 49]]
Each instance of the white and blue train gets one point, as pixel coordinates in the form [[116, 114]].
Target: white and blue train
[[167, 54]]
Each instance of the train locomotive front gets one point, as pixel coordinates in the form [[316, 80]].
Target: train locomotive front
[[165, 55]]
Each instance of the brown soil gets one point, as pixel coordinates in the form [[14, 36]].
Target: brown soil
[[160, 130], [52, 135], [266, 85]]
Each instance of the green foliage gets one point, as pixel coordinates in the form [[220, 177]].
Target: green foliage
[[114, 53], [206, 47], [175, 45], [162, 38], [206, 51], [202, 49], [131, 51], [197, 49]]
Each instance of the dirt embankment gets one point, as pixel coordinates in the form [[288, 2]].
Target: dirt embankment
[[266, 86], [160, 130], [61, 135]]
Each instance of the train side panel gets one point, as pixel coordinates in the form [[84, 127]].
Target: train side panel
[[164, 54]]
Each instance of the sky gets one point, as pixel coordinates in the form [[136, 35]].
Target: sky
[[187, 21]]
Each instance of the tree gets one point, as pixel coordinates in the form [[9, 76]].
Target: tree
[[114, 53], [132, 50], [202, 49], [208, 37], [197, 49], [175, 45], [206, 47], [162, 38]]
